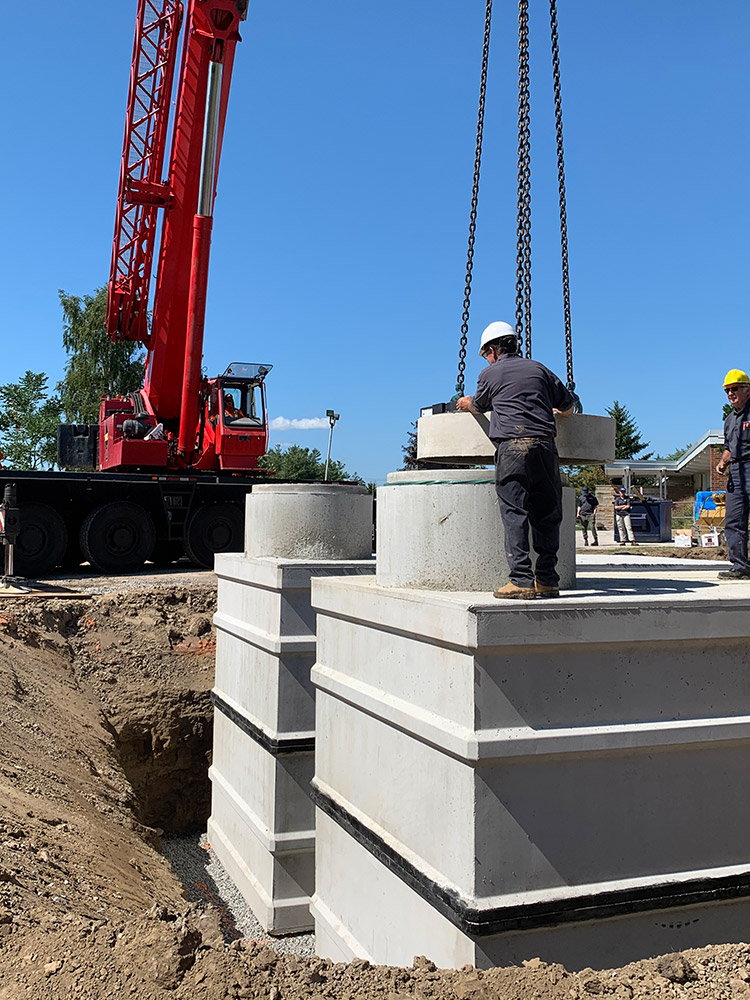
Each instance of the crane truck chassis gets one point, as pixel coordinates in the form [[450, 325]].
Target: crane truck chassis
[[116, 521]]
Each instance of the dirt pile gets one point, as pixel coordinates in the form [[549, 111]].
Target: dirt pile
[[104, 741], [182, 956]]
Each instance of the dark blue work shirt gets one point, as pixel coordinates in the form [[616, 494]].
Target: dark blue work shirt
[[521, 394], [587, 503], [737, 434]]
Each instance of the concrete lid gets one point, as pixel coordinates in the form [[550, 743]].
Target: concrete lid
[[463, 439]]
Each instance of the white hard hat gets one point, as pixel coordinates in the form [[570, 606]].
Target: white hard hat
[[494, 331]]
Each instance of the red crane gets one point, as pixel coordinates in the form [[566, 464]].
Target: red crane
[[179, 420]]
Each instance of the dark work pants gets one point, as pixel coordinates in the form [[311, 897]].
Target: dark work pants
[[527, 480], [736, 514]]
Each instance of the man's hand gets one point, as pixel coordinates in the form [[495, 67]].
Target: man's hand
[[465, 404], [724, 462], [563, 413]]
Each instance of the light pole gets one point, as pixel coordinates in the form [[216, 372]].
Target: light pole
[[332, 418]]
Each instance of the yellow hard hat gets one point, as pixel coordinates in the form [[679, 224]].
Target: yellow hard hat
[[736, 377]]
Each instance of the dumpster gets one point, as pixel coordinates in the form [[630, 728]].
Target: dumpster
[[651, 519]]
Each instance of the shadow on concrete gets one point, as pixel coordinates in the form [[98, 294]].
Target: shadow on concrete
[[638, 586]]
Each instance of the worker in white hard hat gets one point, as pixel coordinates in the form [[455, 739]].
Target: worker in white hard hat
[[736, 459], [523, 397]]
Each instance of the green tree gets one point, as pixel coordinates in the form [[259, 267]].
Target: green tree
[[677, 453], [628, 441], [592, 476], [410, 449], [294, 462], [97, 366], [28, 423]]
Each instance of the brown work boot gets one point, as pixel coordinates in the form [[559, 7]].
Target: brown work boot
[[515, 593], [544, 590]]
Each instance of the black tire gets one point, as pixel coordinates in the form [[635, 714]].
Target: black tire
[[41, 542], [118, 537], [217, 527]]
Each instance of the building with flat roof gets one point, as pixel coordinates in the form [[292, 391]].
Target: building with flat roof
[[677, 478]]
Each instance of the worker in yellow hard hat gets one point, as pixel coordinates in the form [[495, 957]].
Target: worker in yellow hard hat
[[736, 459]]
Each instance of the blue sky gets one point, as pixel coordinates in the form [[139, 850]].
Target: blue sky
[[341, 221]]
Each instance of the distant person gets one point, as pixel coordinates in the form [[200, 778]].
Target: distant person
[[623, 505], [586, 514], [736, 459], [523, 397]]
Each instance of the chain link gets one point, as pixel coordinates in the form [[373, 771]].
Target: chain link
[[523, 217], [474, 201], [563, 200]]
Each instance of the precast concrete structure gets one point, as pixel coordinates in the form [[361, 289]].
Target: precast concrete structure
[[441, 530], [499, 780], [463, 439], [262, 819]]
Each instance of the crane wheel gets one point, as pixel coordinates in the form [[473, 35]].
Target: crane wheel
[[217, 527], [118, 537], [41, 542]]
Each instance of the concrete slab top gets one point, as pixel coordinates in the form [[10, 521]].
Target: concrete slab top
[[626, 603], [463, 439]]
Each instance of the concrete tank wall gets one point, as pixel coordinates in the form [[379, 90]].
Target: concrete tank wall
[[308, 521], [513, 770], [441, 530], [262, 821]]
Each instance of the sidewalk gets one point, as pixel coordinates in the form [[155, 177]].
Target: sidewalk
[[606, 538]]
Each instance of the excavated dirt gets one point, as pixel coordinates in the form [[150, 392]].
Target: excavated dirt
[[104, 744]]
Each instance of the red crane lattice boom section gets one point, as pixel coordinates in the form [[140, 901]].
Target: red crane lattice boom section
[[142, 191]]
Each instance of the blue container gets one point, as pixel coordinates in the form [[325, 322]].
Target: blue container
[[704, 500]]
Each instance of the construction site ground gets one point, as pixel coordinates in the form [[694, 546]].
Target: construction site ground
[[105, 742]]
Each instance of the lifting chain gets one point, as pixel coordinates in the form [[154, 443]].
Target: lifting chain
[[523, 218], [474, 201], [563, 202]]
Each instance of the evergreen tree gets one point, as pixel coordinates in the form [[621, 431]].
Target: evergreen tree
[[28, 423], [677, 453], [410, 450], [628, 441], [295, 462], [97, 366]]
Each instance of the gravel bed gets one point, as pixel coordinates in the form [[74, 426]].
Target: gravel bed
[[87, 581], [204, 879]]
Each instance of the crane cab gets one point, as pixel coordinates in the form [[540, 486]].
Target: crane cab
[[235, 420]]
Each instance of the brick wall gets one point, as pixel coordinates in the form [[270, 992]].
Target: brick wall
[[605, 512], [718, 482], [681, 489]]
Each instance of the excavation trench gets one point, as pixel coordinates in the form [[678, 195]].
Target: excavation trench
[[145, 661]]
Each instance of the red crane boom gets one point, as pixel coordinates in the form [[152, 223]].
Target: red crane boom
[[177, 420], [142, 191]]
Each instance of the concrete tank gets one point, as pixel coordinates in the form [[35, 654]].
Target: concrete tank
[[310, 521], [441, 530]]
